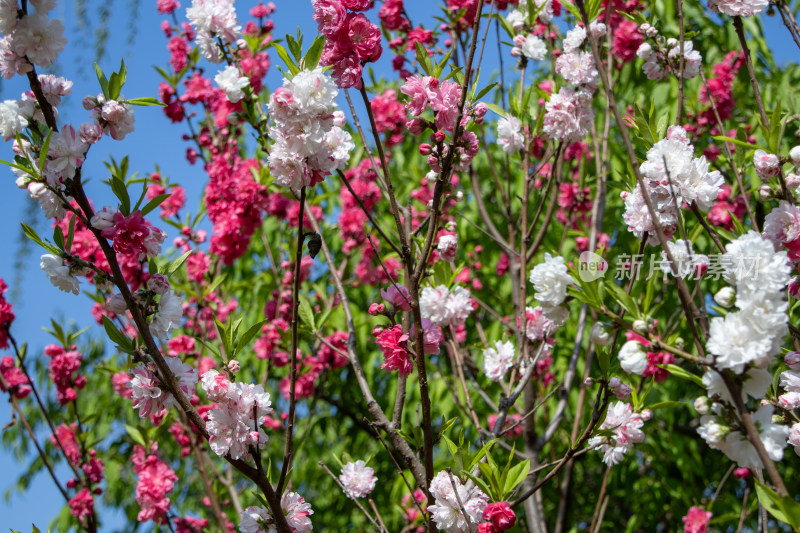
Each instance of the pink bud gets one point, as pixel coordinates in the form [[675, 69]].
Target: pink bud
[[424, 148], [440, 136], [233, 365], [792, 360], [741, 473]]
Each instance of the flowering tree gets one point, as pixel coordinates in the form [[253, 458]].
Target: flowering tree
[[475, 302]]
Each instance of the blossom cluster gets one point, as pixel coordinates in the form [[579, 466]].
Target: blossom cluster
[[350, 38], [673, 177], [309, 140], [234, 424]]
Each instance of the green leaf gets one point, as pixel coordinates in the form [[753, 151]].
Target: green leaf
[[783, 508], [623, 298], [136, 435], [121, 192], [116, 335], [516, 475], [484, 91], [423, 58], [102, 79], [146, 101], [177, 263], [45, 150], [251, 332], [155, 202], [683, 374], [286, 59], [223, 335], [58, 237], [32, 235], [737, 142], [70, 234], [665, 405], [306, 313], [311, 59], [496, 109]]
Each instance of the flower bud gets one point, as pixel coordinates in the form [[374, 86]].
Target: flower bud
[[792, 360], [794, 155], [424, 148], [702, 405], [233, 366], [641, 327], [103, 219], [158, 283], [375, 309], [647, 414], [725, 297], [600, 334], [588, 382], [741, 473], [765, 192], [116, 304]]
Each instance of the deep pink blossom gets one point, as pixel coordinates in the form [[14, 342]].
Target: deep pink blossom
[[500, 515], [696, 520], [392, 342], [82, 505]]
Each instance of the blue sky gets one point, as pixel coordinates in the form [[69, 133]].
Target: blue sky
[[155, 142]]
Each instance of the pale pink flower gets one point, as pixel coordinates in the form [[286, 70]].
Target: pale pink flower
[[358, 479]]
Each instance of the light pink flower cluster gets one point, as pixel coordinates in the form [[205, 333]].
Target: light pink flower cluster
[[442, 97], [568, 115], [358, 479], [782, 227], [148, 396], [447, 510], [309, 140], [350, 39], [212, 20], [114, 116], [738, 8], [231, 425], [295, 509], [156, 480], [673, 176], [658, 62], [34, 39], [625, 425]]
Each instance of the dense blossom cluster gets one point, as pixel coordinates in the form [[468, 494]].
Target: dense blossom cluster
[[350, 38], [673, 177], [626, 428], [452, 500], [234, 424], [309, 140], [297, 511]]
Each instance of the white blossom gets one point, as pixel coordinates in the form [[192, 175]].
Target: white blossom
[[446, 511], [168, 315], [550, 281], [59, 274], [232, 82], [509, 135], [444, 307], [498, 360], [358, 479], [632, 358], [625, 425]]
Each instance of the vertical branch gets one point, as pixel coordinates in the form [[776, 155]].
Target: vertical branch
[[298, 257]]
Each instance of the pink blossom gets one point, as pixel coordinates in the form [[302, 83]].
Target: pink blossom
[[392, 342], [398, 296], [696, 520], [15, 380], [329, 15], [432, 336], [81, 505], [500, 515], [167, 6], [767, 165], [134, 235], [155, 481]]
